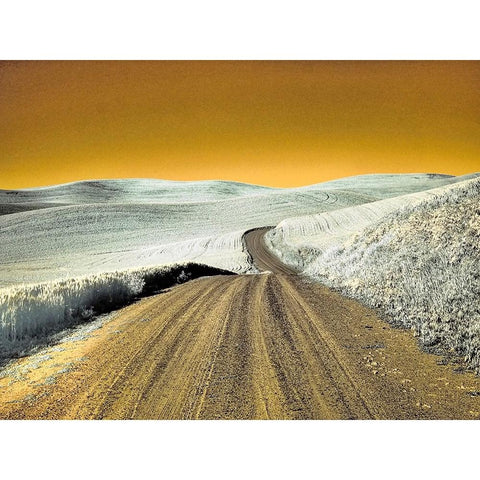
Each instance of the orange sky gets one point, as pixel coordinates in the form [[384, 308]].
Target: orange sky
[[272, 123]]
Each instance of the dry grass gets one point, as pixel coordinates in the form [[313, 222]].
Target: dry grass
[[30, 312], [419, 265]]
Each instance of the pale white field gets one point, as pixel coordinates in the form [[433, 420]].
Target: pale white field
[[63, 243], [322, 231], [103, 226]]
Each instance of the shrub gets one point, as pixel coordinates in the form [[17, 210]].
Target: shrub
[[30, 311]]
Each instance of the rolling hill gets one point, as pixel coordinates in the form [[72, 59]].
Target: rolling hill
[[61, 244], [101, 226]]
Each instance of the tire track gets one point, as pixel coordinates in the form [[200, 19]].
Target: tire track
[[174, 330], [128, 370], [326, 350]]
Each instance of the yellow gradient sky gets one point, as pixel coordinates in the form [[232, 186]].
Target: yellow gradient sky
[[271, 123]]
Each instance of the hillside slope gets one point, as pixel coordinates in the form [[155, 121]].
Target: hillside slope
[[103, 226], [167, 191], [417, 262]]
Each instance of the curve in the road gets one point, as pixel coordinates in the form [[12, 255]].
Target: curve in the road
[[262, 257]]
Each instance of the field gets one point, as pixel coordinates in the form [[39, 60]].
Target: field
[[405, 246]]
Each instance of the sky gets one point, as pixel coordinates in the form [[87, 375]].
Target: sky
[[278, 123]]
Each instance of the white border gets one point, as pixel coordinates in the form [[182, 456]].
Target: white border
[[238, 30], [238, 450], [247, 29]]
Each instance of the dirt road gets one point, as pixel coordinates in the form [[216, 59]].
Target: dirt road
[[266, 346]]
